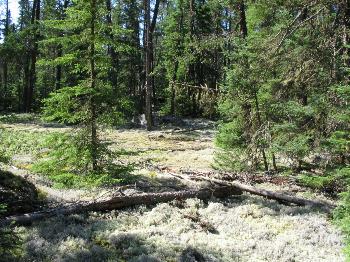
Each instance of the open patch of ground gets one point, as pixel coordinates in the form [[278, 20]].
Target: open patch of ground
[[244, 228]]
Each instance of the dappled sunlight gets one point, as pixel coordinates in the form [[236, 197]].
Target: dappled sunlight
[[248, 228]]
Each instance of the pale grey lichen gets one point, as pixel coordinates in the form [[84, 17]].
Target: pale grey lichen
[[247, 229]]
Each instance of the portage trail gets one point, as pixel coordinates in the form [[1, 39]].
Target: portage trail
[[237, 228]]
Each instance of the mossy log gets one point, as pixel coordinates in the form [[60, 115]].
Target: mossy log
[[122, 202]]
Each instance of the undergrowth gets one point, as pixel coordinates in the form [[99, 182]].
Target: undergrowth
[[10, 242], [335, 180], [19, 118], [60, 159], [18, 142], [66, 163], [342, 219]]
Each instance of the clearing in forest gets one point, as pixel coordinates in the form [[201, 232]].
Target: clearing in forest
[[239, 228]]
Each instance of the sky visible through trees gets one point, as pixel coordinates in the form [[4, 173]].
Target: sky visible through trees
[[13, 5]]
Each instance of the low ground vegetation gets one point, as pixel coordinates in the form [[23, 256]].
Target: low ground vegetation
[[237, 229]]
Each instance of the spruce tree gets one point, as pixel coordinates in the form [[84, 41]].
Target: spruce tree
[[88, 99]]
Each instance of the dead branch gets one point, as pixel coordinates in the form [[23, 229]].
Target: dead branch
[[283, 198], [121, 202]]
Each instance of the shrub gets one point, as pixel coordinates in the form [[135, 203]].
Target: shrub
[[10, 242]]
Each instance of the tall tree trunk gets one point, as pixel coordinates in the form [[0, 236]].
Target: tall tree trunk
[[246, 106], [31, 78], [26, 70], [113, 72], [149, 30], [58, 77], [346, 35], [274, 162], [5, 62], [93, 125], [242, 20], [148, 85]]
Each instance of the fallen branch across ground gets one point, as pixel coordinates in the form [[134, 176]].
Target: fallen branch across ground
[[122, 202], [283, 198]]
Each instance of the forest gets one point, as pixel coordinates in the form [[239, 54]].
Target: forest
[[172, 130]]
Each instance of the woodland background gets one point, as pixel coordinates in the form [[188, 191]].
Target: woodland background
[[273, 74]]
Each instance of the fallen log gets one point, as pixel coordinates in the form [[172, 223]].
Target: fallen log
[[283, 198], [122, 202]]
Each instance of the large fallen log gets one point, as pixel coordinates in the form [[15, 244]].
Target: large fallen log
[[283, 198], [122, 202]]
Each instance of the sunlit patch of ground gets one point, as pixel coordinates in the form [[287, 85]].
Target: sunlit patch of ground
[[246, 228]]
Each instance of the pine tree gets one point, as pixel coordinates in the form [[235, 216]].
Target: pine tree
[[88, 101]]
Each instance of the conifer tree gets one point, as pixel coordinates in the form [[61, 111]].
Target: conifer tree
[[88, 100]]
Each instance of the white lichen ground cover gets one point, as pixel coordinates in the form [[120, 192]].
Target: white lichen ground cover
[[245, 228]]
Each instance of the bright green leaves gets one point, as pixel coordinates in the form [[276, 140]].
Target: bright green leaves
[[68, 105]]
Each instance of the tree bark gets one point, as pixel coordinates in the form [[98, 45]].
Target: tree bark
[[242, 21], [113, 71], [58, 77], [283, 198], [149, 30], [257, 107], [148, 66], [93, 125], [122, 202], [31, 77], [5, 66]]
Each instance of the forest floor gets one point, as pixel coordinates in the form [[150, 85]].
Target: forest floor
[[239, 228]]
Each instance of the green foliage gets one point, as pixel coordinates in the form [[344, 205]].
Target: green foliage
[[342, 219], [15, 142], [67, 162], [70, 180], [280, 100], [191, 56], [18, 118], [91, 101], [10, 242], [316, 182]]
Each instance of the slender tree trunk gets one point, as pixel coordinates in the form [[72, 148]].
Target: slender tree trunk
[[135, 58], [113, 72], [246, 106], [148, 82], [31, 78], [93, 125], [173, 94], [5, 62], [58, 77], [149, 30], [242, 20], [25, 83], [274, 162], [346, 35], [257, 108]]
